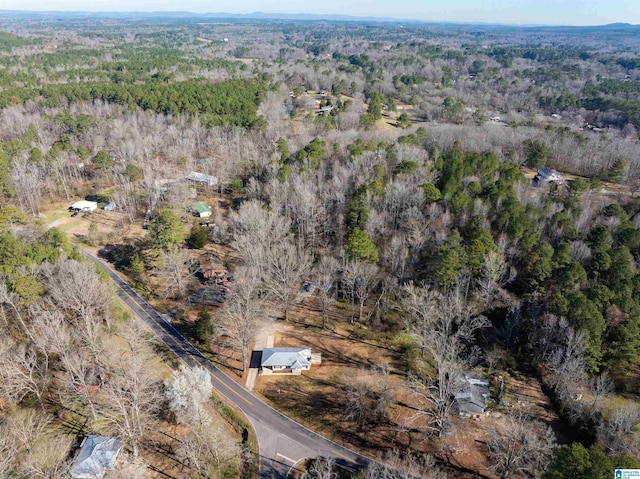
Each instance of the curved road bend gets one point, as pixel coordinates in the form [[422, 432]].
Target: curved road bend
[[282, 442]]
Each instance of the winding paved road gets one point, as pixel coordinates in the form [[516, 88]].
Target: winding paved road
[[282, 442]]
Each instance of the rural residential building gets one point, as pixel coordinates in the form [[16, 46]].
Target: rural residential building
[[97, 454], [546, 175], [286, 360], [212, 269], [84, 205], [201, 209], [472, 397], [202, 179]]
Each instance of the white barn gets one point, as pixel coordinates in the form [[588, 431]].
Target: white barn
[[84, 205]]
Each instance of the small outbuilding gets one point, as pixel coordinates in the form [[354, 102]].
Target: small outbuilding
[[285, 360], [201, 209], [97, 455], [84, 205], [109, 206]]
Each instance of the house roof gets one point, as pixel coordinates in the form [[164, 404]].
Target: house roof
[[211, 266], [294, 358], [549, 174], [97, 454], [202, 178], [473, 394], [83, 204], [202, 207]]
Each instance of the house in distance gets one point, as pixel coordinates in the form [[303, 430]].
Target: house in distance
[[548, 175], [84, 205], [202, 179]]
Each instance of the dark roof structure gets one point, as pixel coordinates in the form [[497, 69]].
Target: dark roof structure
[[472, 395]]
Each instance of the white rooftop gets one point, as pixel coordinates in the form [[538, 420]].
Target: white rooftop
[[84, 205], [294, 358]]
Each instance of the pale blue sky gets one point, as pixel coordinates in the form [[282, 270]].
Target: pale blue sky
[[566, 12]]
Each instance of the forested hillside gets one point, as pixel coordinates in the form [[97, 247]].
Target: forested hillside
[[378, 184]]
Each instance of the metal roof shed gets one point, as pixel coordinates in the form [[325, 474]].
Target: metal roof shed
[[202, 178], [202, 209], [97, 454]]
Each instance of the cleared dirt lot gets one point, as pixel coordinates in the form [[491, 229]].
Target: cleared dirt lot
[[317, 399], [109, 225]]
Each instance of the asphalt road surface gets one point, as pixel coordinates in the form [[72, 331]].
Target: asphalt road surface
[[282, 442]]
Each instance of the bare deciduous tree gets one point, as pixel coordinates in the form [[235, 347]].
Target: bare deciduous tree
[[368, 396], [210, 451], [47, 459], [494, 274], [367, 278], [256, 231], [128, 467], [126, 197], [322, 468], [263, 238], [40, 449], [187, 391], [394, 466], [564, 351], [616, 431], [326, 271], [522, 447], [599, 387], [10, 307], [174, 267], [238, 319], [28, 180], [132, 392], [22, 371], [285, 266], [442, 326], [348, 280], [76, 288], [8, 451]]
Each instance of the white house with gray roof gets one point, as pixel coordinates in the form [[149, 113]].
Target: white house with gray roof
[[285, 360]]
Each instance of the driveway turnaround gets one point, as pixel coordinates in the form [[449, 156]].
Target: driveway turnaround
[[282, 442]]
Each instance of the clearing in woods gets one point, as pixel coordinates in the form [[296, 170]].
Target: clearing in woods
[[317, 397]]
